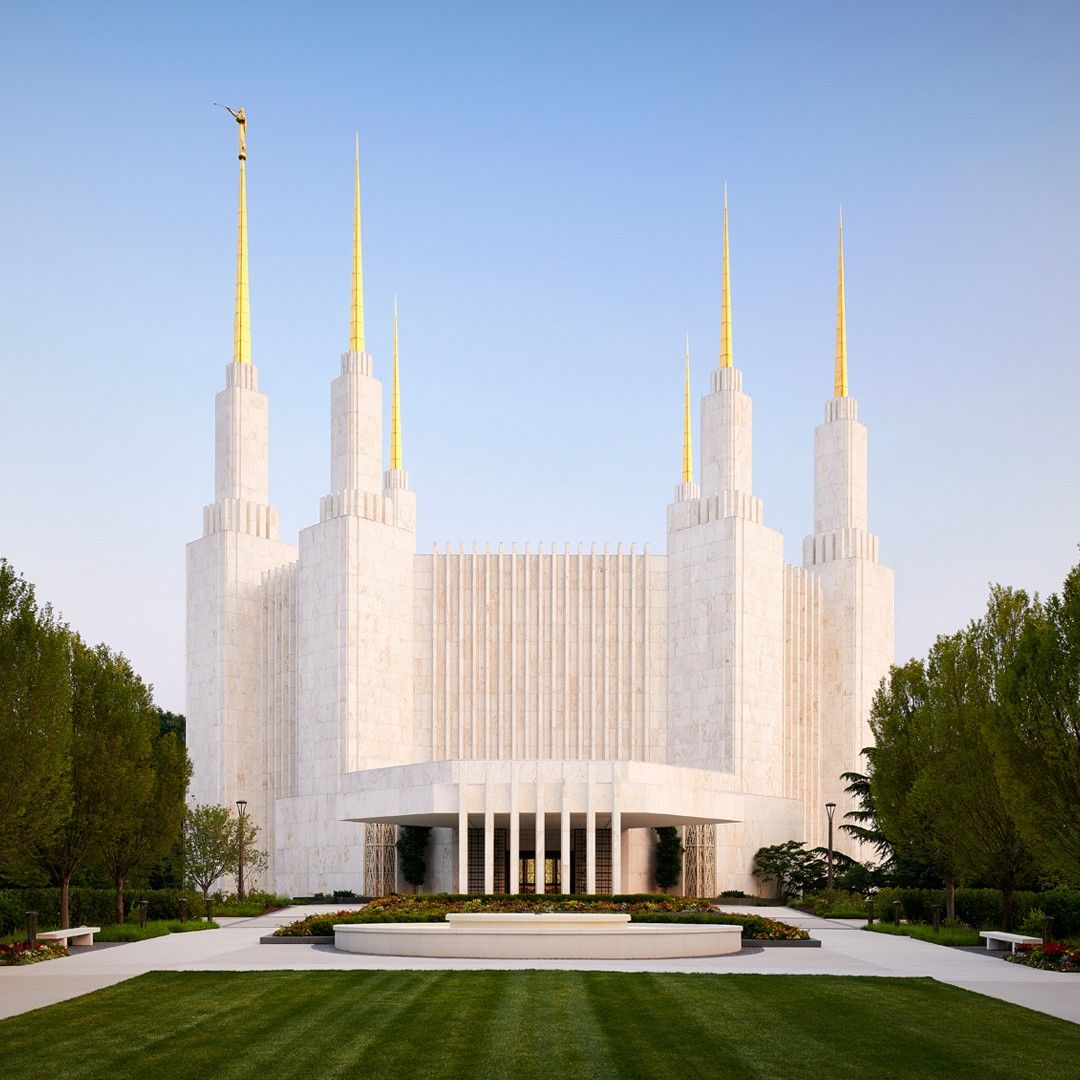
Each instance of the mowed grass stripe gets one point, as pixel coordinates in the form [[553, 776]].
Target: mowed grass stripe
[[495, 1024]]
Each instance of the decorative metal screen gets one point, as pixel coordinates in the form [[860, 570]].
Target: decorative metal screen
[[603, 860], [699, 860], [578, 844], [476, 860], [502, 860], [380, 860]]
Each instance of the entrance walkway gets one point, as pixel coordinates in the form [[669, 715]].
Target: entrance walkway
[[845, 950]]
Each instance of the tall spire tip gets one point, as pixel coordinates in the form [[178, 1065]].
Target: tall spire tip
[[688, 449], [356, 300], [840, 369], [395, 403], [726, 358]]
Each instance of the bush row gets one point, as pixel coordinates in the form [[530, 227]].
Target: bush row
[[981, 908], [97, 907]]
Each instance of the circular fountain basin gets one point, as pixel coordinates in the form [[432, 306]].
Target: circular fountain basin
[[551, 936]]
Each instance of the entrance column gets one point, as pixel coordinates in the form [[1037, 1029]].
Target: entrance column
[[564, 840], [540, 827], [515, 831], [616, 838], [590, 834], [489, 838], [463, 838]]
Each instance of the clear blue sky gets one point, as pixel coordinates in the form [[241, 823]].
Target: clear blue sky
[[542, 192]]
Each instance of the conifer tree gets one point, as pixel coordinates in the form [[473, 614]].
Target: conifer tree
[[669, 857]]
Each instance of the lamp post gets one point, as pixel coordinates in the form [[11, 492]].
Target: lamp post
[[830, 809], [241, 806]]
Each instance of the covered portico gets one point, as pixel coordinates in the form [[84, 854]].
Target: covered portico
[[537, 826]]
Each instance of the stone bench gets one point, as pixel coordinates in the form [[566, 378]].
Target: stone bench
[[999, 941], [76, 935]]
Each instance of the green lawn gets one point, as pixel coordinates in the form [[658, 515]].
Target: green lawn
[[154, 928], [947, 935], [532, 1024]]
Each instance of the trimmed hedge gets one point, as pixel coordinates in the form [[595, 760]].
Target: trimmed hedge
[[89, 907], [981, 908]]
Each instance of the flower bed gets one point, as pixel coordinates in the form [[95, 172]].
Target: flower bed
[[18, 952], [1048, 957], [641, 908]]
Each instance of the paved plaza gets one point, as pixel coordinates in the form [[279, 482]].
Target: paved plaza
[[845, 950]]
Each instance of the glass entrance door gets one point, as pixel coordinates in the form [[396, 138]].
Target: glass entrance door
[[527, 876]]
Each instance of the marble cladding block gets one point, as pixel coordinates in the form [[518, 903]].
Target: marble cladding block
[[241, 435], [356, 427]]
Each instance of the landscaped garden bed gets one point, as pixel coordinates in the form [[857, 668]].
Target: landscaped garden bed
[[18, 953], [641, 908], [1049, 957]]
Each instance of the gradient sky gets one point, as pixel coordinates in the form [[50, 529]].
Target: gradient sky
[[542, 189]]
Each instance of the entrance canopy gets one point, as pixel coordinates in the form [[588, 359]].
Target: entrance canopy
[[622, 794]]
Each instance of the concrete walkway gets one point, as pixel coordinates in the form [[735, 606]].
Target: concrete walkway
[[845, 950]]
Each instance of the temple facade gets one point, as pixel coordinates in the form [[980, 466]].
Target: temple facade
[[544, 709]]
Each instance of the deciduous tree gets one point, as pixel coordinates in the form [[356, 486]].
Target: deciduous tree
[[910, 765], [100, 778], [212, 846], [1037, 732], [790, 867], [150, 820], [35, 721]]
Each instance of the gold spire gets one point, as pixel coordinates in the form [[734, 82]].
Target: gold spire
[[725, 298], [395, 405], [840, 388], [242, 313], [687, 436], [356, 309]]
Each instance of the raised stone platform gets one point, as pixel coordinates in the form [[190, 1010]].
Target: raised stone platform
[[555, 936]]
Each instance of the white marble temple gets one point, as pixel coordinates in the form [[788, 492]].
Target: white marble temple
[[548, 702]]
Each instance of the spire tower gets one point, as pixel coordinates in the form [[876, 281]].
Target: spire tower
[[242, 312], [395, 405], [726, 359], [840, 384], [356, 307], [687, 437]]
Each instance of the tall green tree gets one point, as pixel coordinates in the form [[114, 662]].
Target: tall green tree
[[96, 773], [993, 849], [35, 721], [912, 760], [147, 822], [1037, 732]]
